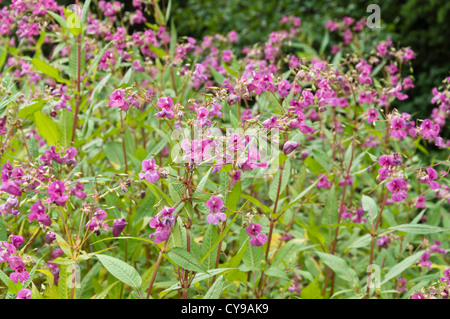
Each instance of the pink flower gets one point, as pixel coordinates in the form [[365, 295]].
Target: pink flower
[[162, 223], [117, 100], [216, 209], [24, 294], [323, 182], [420, 202], [372, 116], [56, 193], [289, 147], [254, 231], [398, 186], [151, 173]]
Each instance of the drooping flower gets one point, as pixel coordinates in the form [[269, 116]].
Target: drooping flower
[[372, 116], [323, 182], [117, 99], [151, 173], [24, 294], [216, 210], [398, 186], [424, 262], [289, 147], [56, 193], [384, 241], [17, 240], [254, 231], [162, 223], [38, 212], [118, 226]]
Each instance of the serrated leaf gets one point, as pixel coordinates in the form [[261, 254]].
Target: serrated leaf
[[186, 260], [339, 266], [47, 128], [403, 265], [216, 289], [122, 271], [65, 125]]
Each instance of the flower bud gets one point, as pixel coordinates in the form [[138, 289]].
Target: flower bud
[[50, 237], [289, 147], [118, 226]]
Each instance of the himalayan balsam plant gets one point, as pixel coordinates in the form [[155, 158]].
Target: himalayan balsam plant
[[140, 164]]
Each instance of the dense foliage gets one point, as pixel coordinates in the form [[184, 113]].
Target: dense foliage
[[137, 163]]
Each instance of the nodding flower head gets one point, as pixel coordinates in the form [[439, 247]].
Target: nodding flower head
[[216, 209], [254, 231]]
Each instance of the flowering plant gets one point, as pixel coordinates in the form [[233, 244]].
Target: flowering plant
[[182, 165]]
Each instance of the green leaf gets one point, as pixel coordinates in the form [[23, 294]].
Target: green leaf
[[73, 22], [63, 245], [202, 183], [402, 266], [216, 289], [104, 293], [31, 109], [339, 266], [13, 287], [369, 205], [314, 166], [208, 241], [173, 38], [62, 282], [289, 251], [416, 229], [4, 277], [253, 257], [158, 51], [47, 128], [234, 196], [219, 239], [234, 121], [300, 196], [273, 190], [114, 153], [198, 277], [122, 271], [62, 22], [47, 69], [3, 230], [186, 260], [65, 125], [84, 12]]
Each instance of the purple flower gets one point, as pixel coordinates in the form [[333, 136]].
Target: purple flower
[[289, 147], [118, 226], [398, 186], [151, 174], [11, 188], [216, 209], [323, 182], [78, 191], [24, 294], [417, 296], [254, 231], [424, 262], [17, 240], [50, 237], [117, 100], [20, 272], [162, 223], [373, 116], [384, 241], [38, 212], [56, 193], [420, 202]]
